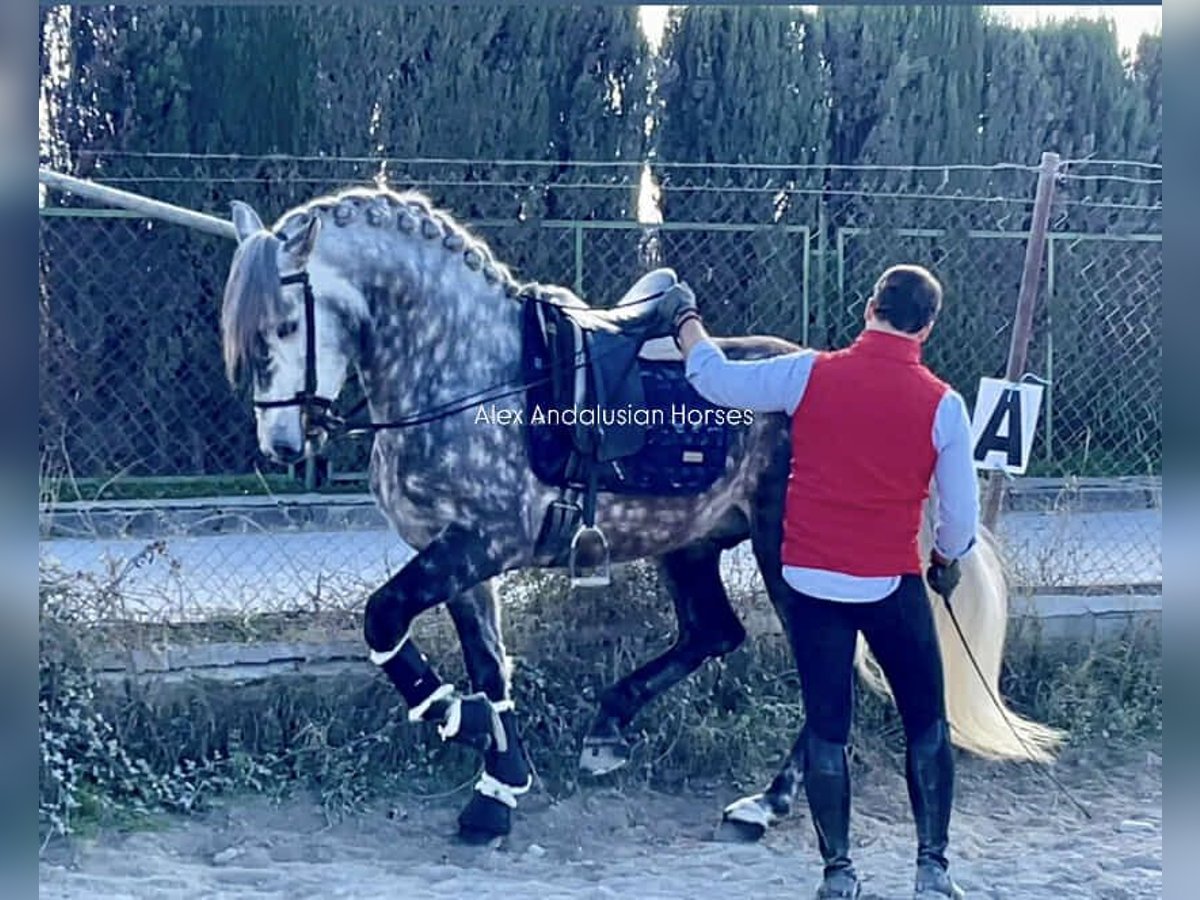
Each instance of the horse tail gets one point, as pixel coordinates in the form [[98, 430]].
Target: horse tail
[[978, 723]]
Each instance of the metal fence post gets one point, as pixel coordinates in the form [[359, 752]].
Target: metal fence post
[[578, 259], [1018, 347], [806, 302], [822, 272], [1048, 401], [834, 332]]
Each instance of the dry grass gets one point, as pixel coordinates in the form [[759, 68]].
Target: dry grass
[[347, 737]]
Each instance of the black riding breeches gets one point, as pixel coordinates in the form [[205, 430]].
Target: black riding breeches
[[899, 630]]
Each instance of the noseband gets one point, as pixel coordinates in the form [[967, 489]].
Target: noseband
[[316, 417]]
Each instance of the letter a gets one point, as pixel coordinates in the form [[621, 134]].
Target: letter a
[[1008, 414]]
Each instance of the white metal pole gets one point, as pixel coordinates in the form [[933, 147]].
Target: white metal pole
[[154, 208]]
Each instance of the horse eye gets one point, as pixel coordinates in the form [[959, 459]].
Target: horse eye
[[286, 329]]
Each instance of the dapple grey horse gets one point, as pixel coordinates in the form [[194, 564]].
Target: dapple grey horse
[[383, 285]]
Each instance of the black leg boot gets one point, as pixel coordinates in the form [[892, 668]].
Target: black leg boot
[[827, 786], [506, 777], [930, 774]]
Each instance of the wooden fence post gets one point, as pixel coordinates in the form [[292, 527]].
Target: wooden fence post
[[1031, 274]]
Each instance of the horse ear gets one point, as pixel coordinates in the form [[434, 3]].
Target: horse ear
[[301, 245], [245, 220]]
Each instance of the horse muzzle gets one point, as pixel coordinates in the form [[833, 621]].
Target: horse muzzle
[[317, 423], [284, 453]]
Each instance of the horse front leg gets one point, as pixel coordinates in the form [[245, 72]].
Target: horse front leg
[[456, 564], [506, 770]]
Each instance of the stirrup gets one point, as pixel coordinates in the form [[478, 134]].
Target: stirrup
[[600, 576]]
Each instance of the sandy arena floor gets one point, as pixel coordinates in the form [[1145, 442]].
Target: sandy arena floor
[[1012, 836]]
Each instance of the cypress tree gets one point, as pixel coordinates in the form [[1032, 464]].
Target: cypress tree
[[739, 86], [1106, 291], [525, 83], [1147, 79]]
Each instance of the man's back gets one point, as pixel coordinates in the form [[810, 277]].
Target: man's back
[[866, 439], [863, 455]]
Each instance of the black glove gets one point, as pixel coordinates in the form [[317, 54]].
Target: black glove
[[943, 576], [679, 305]]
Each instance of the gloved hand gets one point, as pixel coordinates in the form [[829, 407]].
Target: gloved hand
[[678, 305], [943, 575]]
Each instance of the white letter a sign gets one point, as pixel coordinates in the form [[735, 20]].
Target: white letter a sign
[[1003, 424]]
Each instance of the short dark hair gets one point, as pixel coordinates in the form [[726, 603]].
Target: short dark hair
[[907, 297]]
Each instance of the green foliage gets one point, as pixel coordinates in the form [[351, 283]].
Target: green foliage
[[741, 85], [1147, 76], [87, 776], [1110, 691], [905, 83]]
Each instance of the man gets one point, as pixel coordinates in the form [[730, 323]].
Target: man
[[871, 426]]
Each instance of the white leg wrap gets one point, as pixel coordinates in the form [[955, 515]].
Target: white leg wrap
[[501, 792], [453, 723], [449, 728], [418, 712], [380, 657]]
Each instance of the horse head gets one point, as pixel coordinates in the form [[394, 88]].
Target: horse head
[[371, 280], [293, 322]]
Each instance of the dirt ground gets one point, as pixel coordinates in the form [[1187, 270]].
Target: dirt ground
[[1013, 836]]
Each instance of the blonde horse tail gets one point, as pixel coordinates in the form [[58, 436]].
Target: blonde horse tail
[[978, 723]]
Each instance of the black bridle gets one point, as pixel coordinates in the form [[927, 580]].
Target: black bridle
[[316, 416]]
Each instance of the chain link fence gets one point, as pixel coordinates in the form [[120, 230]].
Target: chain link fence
[[143, 440]]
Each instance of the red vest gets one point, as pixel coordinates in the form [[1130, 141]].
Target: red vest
[[862, 459]]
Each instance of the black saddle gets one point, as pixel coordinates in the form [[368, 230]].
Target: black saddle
[[592, 391], [591, 360]]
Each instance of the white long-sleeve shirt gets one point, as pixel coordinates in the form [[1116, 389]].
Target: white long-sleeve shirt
[[777, 384]]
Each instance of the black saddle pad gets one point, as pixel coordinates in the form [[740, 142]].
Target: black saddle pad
[[686, 437]]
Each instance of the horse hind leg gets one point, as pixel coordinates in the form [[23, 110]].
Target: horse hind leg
[[707, 628], [749, 818], [507, 773]]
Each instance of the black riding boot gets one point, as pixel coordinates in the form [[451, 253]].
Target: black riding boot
[[827, 786], [930, 774]]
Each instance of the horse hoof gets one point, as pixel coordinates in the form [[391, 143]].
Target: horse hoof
[[483, 820], [746, 820], [731, 831], [603, 755]]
